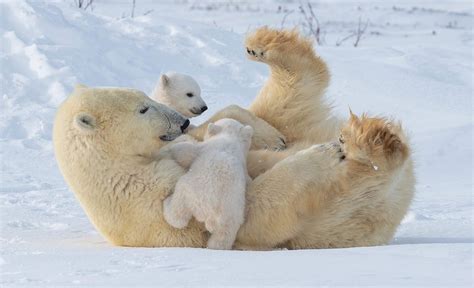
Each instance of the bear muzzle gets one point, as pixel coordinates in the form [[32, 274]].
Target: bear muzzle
[[185, 125]]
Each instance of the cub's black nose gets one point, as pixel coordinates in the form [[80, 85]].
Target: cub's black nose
[[204, 108], [185, 125]]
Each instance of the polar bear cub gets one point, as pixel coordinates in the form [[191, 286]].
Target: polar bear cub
[[181, 93], [213, 189]]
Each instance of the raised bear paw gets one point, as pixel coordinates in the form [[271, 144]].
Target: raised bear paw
[[273, 46], [374, 141]]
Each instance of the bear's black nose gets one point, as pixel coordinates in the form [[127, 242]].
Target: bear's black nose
[[204, 108], [185, 125]]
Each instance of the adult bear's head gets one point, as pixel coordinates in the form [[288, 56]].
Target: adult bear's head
[[106, 142], [114, 122]]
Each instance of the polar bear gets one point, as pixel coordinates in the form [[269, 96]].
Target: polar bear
[[213, 190], [180, 92], [304, 196]]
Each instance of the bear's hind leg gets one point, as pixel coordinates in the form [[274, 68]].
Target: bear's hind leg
[[223, 236], [292, 98], [175, 211], [278, 47], [376, 143]]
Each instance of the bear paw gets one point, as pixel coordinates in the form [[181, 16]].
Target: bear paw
[[274, 46], [276, 143], [374, 141], [267, 137]]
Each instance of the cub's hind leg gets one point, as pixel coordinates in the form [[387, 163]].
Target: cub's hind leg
[[175, 210]]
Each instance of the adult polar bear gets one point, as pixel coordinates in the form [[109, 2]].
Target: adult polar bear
[[111, 148]]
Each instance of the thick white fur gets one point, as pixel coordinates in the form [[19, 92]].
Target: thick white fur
[[299, 198], [172, 90], [213, 190]]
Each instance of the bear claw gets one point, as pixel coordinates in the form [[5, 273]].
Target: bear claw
[[255, 54]]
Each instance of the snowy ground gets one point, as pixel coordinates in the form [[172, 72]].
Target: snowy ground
[[414, 63]]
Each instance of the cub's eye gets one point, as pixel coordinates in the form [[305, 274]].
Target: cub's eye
[[144, 109], [189, 94], [341, 139]]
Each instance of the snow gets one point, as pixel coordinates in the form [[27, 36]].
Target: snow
[[414, 63]]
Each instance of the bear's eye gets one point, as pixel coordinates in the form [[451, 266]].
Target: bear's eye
[[144, 109], [341, 139], [189, 94]]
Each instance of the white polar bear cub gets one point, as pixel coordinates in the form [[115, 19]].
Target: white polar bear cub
[[181, 93], [213, 190]]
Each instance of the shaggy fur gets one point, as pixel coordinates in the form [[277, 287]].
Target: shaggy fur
[[213, 190], [181, 93], [298, 79], [265, 136], [342, 194]]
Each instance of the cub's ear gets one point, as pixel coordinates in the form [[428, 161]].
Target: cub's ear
[[247, 131], [213, 129], [85, 122], [164, 80]]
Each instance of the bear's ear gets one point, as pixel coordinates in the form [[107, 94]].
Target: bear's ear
[[213, 129], [85, 122], [247, 132], [164, 80]]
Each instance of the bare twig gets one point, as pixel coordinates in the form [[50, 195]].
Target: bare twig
[[311, 22], [360, 31], [89, 3], [284, 17], [340, 41], [133, 8], [83, 4], [148, 12]]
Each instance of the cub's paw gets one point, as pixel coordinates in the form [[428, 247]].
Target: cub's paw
[[271, 45], [220, 241], [244, 247], [375, 141]]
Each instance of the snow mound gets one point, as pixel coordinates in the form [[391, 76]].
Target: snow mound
[[415, 65]]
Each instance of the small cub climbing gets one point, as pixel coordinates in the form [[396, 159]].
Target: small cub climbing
[[181, 93], [213, 190]]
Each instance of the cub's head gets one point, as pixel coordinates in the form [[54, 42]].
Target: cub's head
[[180, 92], [230, 127], [114, 123]]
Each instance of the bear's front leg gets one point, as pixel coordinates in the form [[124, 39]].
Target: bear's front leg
[[265, 136]]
